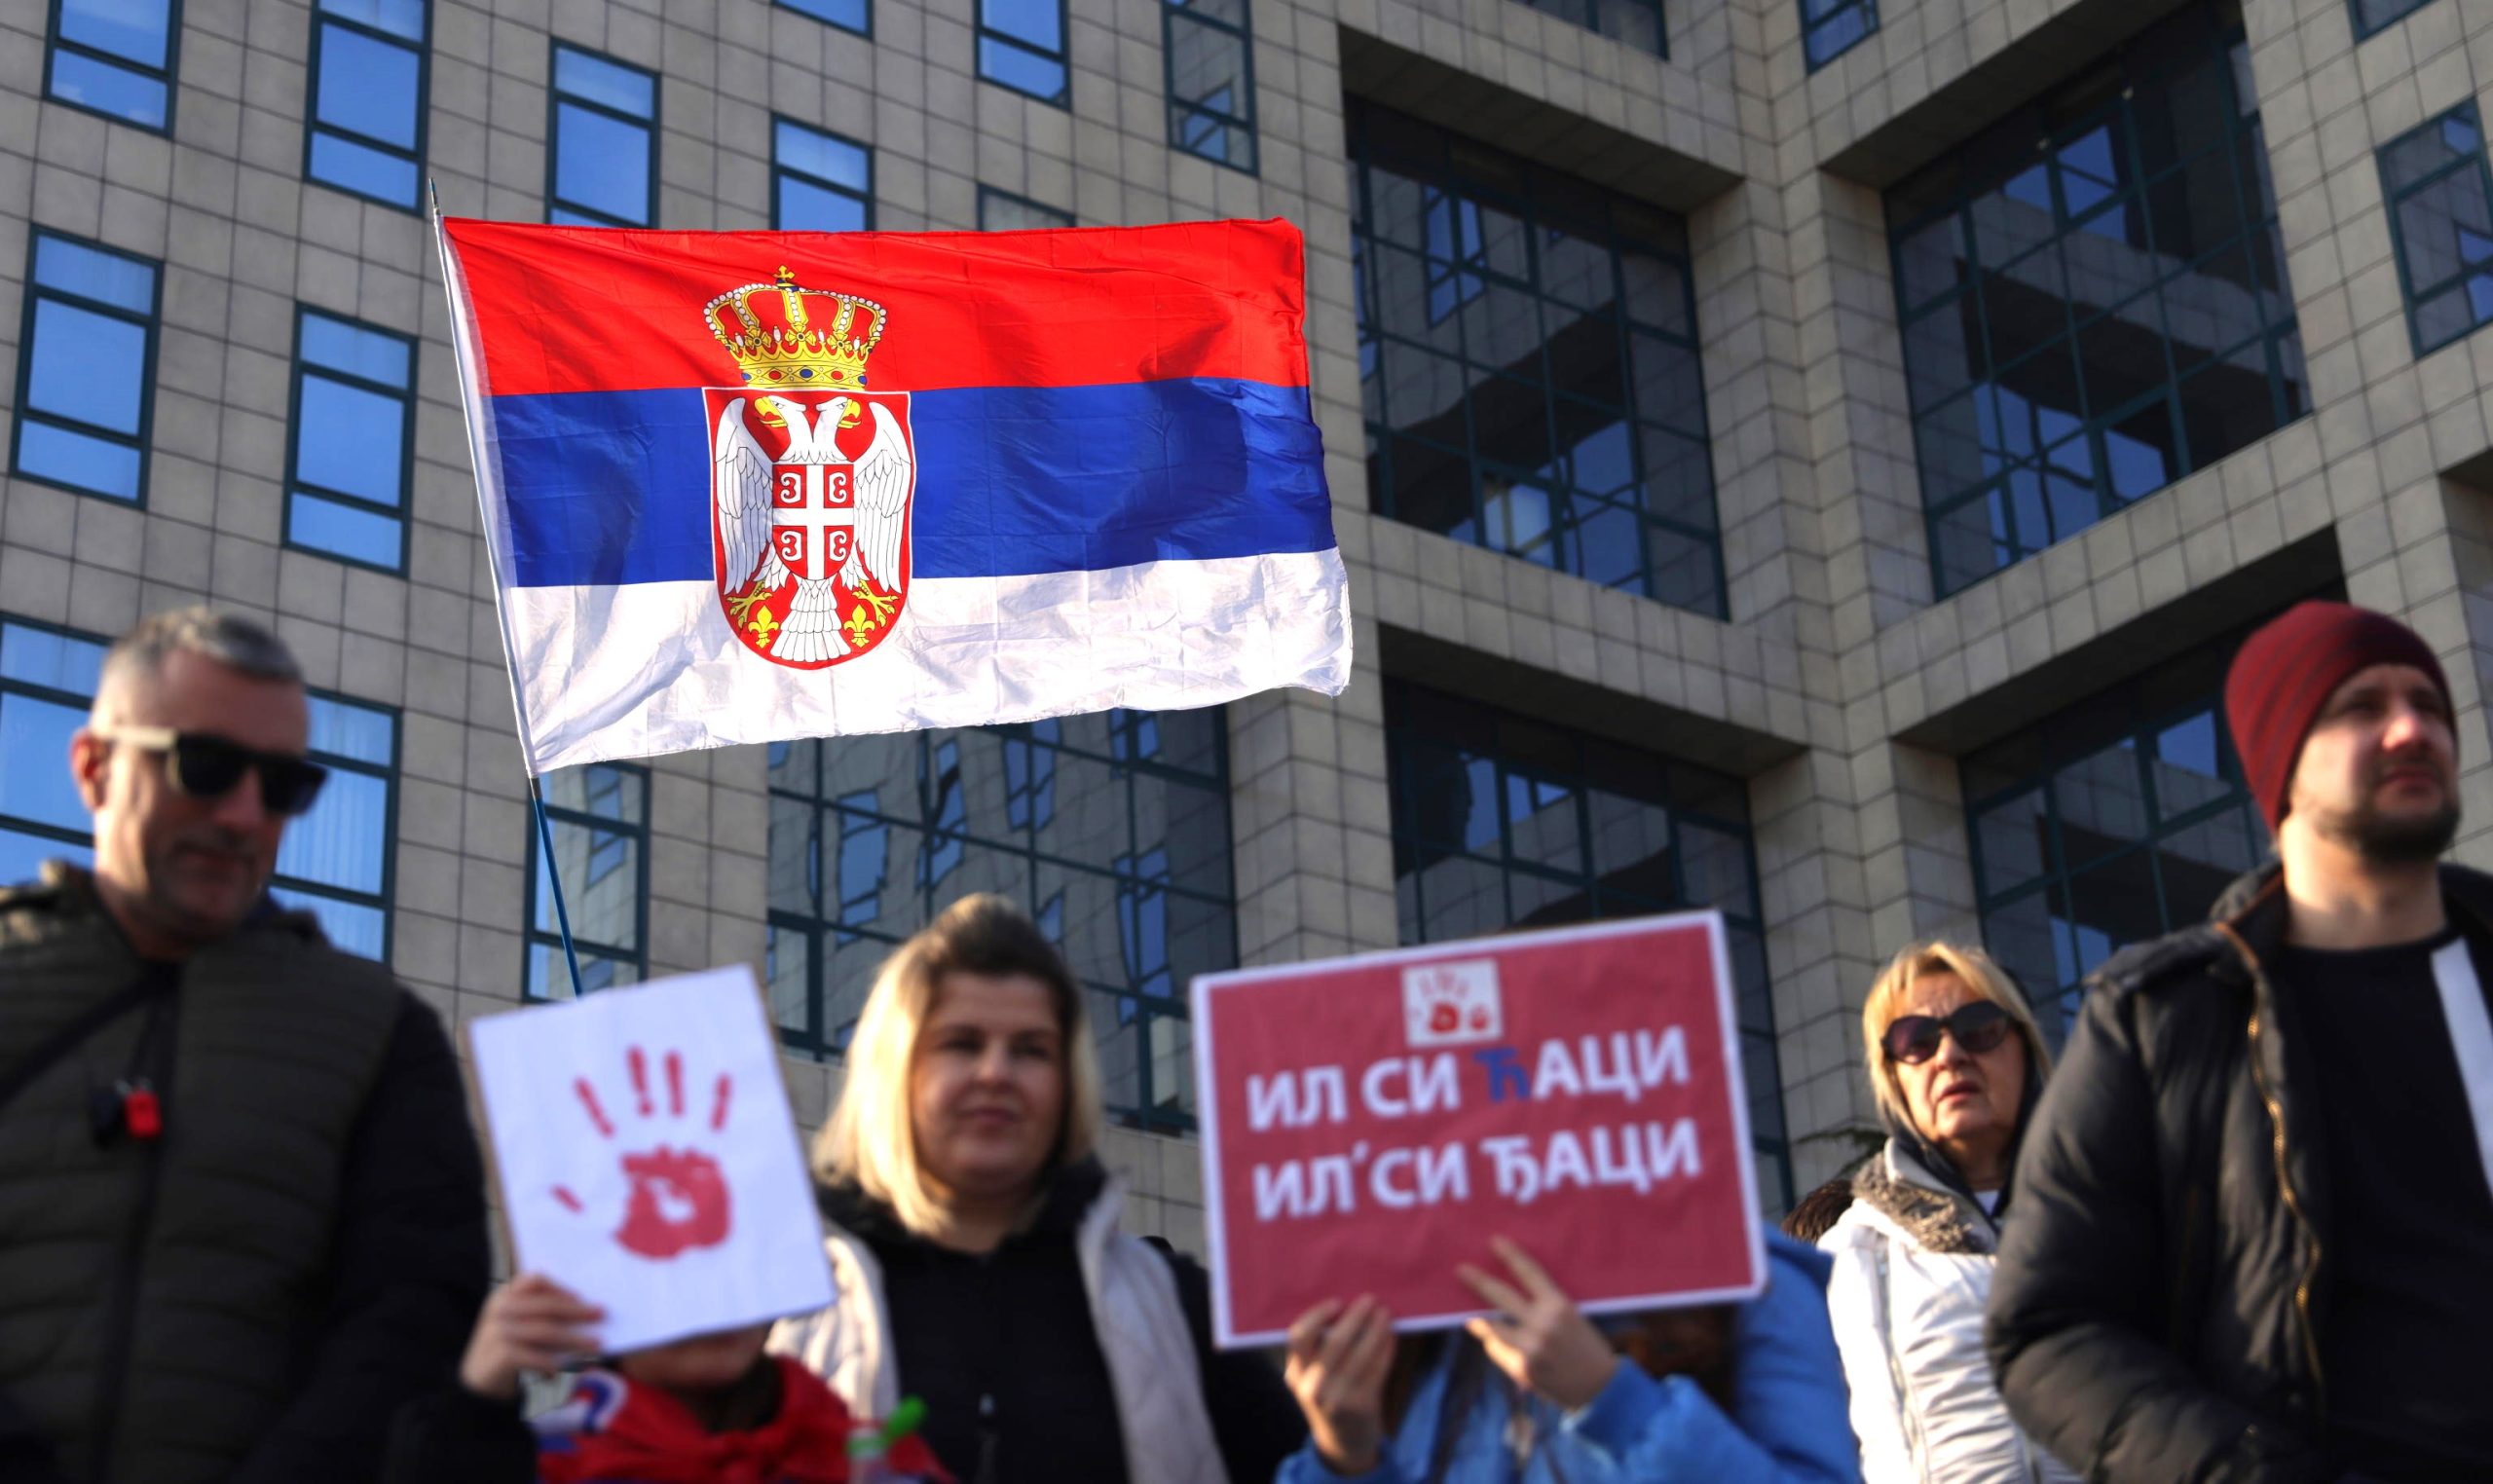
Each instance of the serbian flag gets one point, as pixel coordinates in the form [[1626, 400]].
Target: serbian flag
[[747, 485]]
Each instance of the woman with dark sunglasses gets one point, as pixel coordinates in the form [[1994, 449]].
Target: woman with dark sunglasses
[[1955, 1064]]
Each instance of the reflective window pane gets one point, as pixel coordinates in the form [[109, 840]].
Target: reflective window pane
[[368, 86], [349, 444], [2378, 14], [1000, 212], [2082, 286], [597, 816], [604, 144], [116, 58], [1829, 28], [1111, 831], [403, 19], [847, 14], [87, 365], [1503, 394], [2120, 818], [2440, 194], [1500, 820]]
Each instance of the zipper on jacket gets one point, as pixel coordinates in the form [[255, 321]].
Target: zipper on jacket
[[121, 1308], [2284, 1182], [985, 1472]]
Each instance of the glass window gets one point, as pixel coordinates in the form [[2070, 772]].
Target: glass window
[[1829, 28], [2440, 210], [2372, 16], [1003, 211], [336, 860], [1111, 831], [2118, 819], [355, 423], [1208, 51], [1528, 363], [1022, 45], [819, 182], [115, 58], [367, 124], [599, 817], [604, 134], [86, 368], [47, 678], [1503, 821], [847, 14], [2093, 300], [1635, 24]]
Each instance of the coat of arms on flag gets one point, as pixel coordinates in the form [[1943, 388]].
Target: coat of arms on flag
[[811, 475]]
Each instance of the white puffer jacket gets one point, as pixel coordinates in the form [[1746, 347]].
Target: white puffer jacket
[[1912, 1269], [1134, 1308]]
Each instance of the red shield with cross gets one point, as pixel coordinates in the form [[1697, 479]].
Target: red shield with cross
[[810, 498]]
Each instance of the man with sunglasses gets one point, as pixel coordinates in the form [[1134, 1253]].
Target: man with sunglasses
[[2255, 1206], [241, 1210]]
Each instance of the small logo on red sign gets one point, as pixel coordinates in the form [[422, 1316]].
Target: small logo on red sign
[[1451, 1004]]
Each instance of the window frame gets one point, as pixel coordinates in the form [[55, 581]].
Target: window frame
[[143, 441], [1811, 30], [1510, 763], [390, 776], [2033, 138], [982, 33], [2365, 32], [1171, 14], [17, 824], [321, 18], [2395, 197], [938, 798], [780, 170], [1592, 9], [867, 30], [167, 75], [1381, 140], [556, 97], [294, 481], [987, 193], [532, 937]]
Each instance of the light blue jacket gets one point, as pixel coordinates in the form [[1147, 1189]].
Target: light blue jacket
[[1789, 1424]]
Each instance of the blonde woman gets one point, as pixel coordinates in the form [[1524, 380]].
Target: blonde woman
[[975, 1248], [1955, 1064]]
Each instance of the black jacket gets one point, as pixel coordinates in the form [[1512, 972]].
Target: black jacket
[[2153, 1314], [1015, 1328]]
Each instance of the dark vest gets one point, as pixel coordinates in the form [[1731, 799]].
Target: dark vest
[[155, 1299]]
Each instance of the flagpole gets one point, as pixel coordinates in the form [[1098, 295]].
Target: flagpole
[[493, 560]]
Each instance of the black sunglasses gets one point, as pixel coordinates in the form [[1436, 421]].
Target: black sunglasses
[[1978, 1027], [203, 765]]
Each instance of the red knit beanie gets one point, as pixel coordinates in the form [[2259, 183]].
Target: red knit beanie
[[2286, 672]]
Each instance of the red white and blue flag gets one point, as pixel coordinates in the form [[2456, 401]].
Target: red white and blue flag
[[742, 487]]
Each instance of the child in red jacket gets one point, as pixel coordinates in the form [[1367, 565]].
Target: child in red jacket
[[712, 1409]]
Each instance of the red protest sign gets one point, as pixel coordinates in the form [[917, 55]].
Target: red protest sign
[[1368, 1123]]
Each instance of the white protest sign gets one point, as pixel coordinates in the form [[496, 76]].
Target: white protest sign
[[647, 1159]]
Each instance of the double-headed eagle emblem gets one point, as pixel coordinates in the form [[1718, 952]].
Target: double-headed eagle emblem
[[811, 475]]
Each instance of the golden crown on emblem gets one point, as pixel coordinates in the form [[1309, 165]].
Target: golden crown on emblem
[[777, 342]]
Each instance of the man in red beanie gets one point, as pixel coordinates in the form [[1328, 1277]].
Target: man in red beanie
[[2254, 1211]]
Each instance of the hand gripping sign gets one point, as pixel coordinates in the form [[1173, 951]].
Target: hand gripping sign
[[647, 1160], [1369, 1122]]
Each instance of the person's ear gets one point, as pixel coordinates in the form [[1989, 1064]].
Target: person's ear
[[90, 765]]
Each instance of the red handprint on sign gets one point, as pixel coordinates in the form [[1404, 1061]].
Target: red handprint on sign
[[679, 1198]]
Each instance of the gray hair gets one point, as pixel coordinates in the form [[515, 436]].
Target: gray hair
[[228, 638]]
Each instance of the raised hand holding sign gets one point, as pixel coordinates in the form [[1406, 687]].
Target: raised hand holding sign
[[642, 1134]]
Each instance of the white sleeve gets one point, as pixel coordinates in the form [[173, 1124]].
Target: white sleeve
[[1854, 1306], [1964, 1434]]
